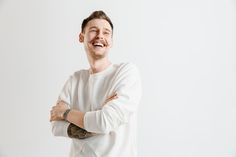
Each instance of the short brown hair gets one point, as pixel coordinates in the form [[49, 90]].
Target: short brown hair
[[96, 15]]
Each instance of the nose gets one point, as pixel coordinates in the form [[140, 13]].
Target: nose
[[99, 35]]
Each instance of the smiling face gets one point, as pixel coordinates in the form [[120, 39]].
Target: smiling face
[[97, 38]]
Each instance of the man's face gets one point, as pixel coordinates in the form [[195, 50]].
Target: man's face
[[97, 38]]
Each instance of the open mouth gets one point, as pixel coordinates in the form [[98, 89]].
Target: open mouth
[[99, 44]]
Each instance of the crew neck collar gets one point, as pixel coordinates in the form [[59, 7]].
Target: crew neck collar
[[103, 72]]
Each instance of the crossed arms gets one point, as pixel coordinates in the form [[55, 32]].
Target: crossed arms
[[74, 117]]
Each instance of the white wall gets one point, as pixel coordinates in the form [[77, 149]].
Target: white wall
[[186, 52]]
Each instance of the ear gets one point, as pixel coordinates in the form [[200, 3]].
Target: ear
[[81, 37]]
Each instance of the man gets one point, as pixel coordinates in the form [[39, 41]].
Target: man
[[97, 108]]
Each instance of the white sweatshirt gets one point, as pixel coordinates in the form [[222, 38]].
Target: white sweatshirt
[[114, 123]]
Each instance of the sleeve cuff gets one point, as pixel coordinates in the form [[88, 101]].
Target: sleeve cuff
[[59, 128]]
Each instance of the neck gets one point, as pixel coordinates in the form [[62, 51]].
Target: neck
[[99, 65]]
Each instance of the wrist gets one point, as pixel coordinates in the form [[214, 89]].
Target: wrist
[[65, 114]]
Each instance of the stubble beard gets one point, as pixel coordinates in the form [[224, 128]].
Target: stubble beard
[[98, 56]]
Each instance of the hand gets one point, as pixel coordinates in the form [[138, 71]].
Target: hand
[[58, 111], [114, 96]]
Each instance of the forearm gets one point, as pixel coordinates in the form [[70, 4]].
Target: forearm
[[76, 117], [74, 131]]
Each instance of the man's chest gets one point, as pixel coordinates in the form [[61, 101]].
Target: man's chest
[[90, 95]]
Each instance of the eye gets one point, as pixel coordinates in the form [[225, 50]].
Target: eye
[[106, 33], [93, 30]]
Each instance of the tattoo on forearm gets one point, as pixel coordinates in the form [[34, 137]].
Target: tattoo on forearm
[[74, 131]]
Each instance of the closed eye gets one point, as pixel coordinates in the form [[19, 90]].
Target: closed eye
[[93, 30], [107, 33]]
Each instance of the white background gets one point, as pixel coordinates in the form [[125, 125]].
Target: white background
[[185, 50]]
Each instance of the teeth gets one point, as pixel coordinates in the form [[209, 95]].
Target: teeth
[[98, 44]]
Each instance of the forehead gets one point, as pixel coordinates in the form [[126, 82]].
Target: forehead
[[99, 23]]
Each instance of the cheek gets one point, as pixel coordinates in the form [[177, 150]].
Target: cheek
[[109, 41], [89, 37]]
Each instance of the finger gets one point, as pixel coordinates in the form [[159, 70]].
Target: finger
[[112, 96], [115, 96], [54, 118], [54, 107], [62, 101], [61, 104], [51, 118], [58, 101]]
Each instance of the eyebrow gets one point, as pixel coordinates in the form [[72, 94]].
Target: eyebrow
[[92, 27]]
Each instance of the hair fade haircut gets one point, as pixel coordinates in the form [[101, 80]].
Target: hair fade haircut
[[96, 15]]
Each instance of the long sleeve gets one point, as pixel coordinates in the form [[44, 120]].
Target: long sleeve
[[118, 111], [59, 128]]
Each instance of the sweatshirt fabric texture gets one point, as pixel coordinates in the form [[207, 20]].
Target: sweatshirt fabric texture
[[114, 122]]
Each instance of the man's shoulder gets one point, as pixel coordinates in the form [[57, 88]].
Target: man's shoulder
[[127, 67], [81, 72], [126, 70], [77, 75]]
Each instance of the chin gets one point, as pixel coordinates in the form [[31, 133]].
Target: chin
[[99, 55]]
